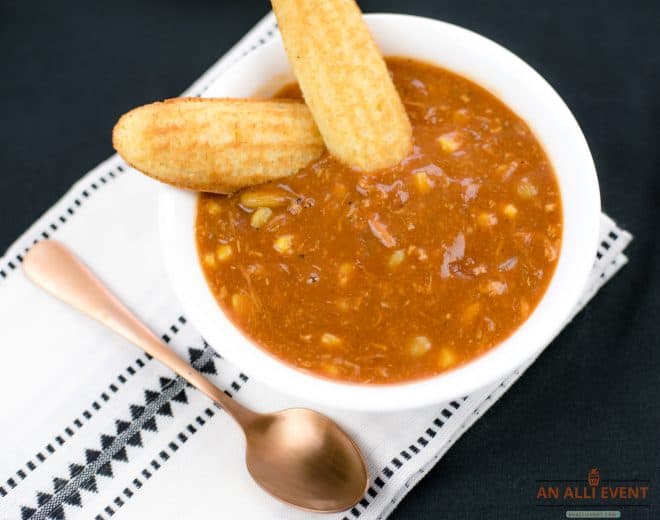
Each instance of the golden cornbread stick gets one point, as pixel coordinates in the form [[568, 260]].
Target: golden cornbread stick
[[218, 145], [345, 82]]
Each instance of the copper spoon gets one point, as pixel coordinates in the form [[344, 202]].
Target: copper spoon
[[297, 455]]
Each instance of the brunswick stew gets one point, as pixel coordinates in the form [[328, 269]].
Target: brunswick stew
[[400, 274]]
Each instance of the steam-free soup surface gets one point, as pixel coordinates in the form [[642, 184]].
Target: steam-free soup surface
[[399, 274]]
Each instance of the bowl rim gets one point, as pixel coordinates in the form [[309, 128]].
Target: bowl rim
[[176, 221]]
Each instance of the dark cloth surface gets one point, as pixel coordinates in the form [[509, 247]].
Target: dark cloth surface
[[69, 69]]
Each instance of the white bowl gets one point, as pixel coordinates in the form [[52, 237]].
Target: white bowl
[[529, 96]]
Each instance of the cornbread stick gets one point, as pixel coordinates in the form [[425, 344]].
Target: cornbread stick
[[218, 145], [345, 82]]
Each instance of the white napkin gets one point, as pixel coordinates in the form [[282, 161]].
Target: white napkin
[[93, 428]]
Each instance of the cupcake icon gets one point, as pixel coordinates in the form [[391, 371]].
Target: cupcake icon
[[594, 477]]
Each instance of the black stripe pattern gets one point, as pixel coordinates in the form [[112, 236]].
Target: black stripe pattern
[[86, 474], [76, 423], [380, 481]]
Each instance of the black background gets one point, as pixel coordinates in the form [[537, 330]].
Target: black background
[[69, 69]]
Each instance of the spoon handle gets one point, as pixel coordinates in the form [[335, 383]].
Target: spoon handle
[[54, 268]]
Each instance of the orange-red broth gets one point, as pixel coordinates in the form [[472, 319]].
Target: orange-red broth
[[402, 274]]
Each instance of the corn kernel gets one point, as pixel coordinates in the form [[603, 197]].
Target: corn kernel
[[461, 116], [240, 303], [419, 345], [487, 219], [339, 190], [330, 340], [213, 208], [526, 190], [224, 252], [209, 259], [449, 142], [510, 211], [263, 199], [346, 270], [422, 182], [446, 358], [260, 217], [330, 370], [284, 244], [524, 308], [396, 258], [470, 313]]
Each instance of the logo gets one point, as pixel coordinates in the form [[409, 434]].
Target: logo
[[584, 498]]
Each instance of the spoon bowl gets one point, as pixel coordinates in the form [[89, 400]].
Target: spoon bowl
[[314, 465]]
